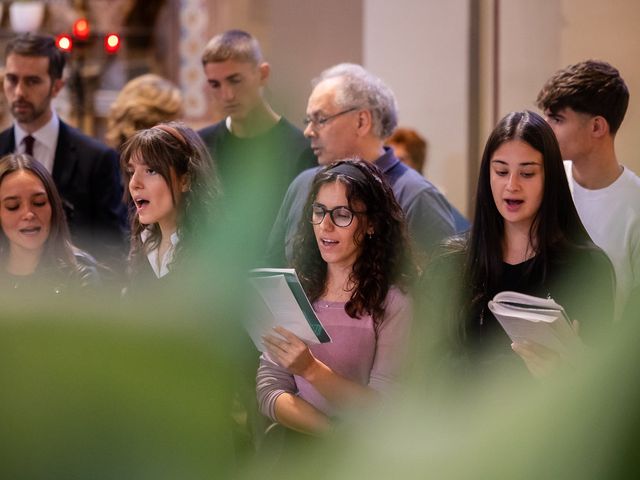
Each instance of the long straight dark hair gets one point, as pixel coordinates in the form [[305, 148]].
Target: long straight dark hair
[[556, 225]]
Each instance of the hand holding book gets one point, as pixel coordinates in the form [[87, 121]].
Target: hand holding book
[[539, 328], [287, 350], [279, 300]]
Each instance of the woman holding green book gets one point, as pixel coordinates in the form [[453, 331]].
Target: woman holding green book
[[354, 263]]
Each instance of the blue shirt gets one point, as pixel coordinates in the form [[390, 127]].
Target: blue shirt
[[430, 217]]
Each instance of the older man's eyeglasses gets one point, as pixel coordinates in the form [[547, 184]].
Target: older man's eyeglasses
[[319, 122], [340, 216]]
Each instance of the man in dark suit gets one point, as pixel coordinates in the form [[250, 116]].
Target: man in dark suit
[[85, 171]]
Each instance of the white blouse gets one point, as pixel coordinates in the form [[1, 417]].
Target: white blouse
[[152, 256]]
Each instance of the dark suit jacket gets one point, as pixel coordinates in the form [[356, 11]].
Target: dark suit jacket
[[87, 175]]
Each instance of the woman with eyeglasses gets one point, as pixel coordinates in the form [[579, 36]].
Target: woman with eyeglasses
[[354, 262]]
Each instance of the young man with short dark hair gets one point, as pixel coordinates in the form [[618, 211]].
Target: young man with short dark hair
[[585, 104]]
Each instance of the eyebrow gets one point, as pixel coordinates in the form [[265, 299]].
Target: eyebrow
[[318, 204], [523, 164], [17, 197], [15, 76], [316, 113]]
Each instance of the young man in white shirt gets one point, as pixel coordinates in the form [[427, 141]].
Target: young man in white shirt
[[585, 104]]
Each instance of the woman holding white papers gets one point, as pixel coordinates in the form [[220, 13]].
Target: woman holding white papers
[[526, 237], [354, 262]]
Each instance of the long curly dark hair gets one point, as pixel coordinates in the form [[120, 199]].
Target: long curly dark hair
[[386, 257], [166, 148]]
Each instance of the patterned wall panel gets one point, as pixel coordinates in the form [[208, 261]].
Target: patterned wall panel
[[194, 19]]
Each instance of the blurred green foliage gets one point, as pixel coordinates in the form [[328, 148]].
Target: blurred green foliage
[[86, 395]]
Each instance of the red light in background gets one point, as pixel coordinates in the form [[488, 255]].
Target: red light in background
[[81, 29], [64, 42], [112, 42]]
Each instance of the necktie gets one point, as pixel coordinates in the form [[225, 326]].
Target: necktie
[[28, 144]]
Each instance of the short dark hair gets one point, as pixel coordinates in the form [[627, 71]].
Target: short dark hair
[[592, 87], [33, 45]]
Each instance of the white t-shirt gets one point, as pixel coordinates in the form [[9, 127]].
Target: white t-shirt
[[611, 216]]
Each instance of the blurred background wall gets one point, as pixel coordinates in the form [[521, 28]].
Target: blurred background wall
[[456, 66]]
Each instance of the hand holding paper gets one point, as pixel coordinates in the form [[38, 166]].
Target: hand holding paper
[[541, 332], [542, 361], [279, 300], [526, 318], [288, 351]]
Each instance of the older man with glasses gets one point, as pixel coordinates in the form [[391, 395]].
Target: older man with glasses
[[350, 113]]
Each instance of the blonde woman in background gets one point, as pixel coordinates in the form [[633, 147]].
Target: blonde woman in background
[[144, 102]]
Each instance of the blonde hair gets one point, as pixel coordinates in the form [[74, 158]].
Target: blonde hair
[[235, 45], [144, 102]]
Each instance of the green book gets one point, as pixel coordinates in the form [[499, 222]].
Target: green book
[[281, 301]]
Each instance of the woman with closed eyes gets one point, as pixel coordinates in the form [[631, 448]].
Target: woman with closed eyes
[[38, 258], [354, 263]]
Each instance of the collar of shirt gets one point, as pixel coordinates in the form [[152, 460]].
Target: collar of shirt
[[387, 161], [152, 256], [44, 149], [392, 168]]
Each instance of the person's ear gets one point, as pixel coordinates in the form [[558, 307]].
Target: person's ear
[[365, 122], [265, 70], [599, 126], [56, 86]]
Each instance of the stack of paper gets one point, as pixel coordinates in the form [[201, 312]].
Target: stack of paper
[[533, 319]]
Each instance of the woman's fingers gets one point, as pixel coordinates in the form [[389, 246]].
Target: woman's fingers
[[290, 337], [276, 342], [287, 350], [540, 360]]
